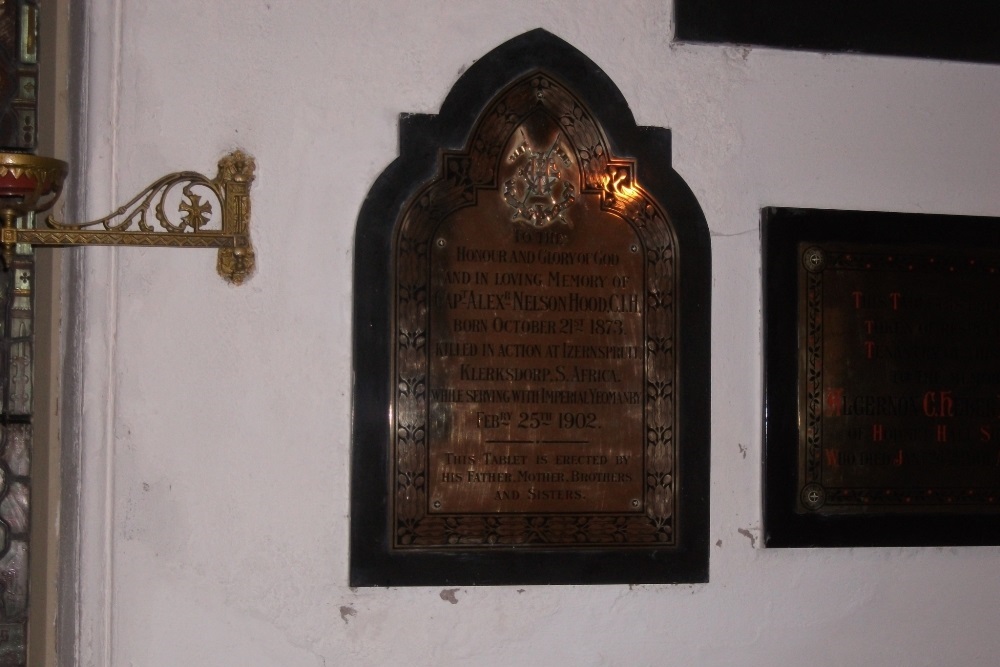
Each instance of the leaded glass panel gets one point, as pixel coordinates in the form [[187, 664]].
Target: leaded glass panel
[[18, 119]]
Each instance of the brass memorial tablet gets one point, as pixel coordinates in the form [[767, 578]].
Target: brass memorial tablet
[[537, 364], [883, 379], [901, 370], [537, 298], [548, 304]]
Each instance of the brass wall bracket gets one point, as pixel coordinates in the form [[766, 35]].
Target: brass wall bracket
[[184, 209]]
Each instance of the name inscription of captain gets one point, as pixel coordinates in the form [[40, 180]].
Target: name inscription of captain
[[536, 368]]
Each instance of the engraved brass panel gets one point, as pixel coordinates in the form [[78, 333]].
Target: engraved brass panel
[[534, 368], [899, 379], [532, 290]]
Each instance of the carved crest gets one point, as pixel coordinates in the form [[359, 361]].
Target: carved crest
[[538, 193]]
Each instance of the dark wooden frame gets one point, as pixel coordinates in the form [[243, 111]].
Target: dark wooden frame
[[959, 30], [373, 560], [782, 230]]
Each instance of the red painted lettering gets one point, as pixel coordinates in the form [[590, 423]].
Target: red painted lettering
[[835, 402], [939, 404]]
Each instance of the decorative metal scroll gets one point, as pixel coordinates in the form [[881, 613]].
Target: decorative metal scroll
[[181, 210]]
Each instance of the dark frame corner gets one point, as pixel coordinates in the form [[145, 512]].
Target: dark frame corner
[[962, 30]]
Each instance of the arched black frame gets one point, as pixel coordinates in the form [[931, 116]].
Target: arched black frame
[[423, 141]]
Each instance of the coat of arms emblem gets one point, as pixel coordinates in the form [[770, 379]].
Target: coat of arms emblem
[[537, 192]]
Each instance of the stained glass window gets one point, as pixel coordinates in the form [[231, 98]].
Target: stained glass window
[[18, 114]]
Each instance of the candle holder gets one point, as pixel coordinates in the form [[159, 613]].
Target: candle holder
[[184, 209], [28, 184]]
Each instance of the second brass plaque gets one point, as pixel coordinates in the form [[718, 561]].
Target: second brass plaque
[[882, 378]]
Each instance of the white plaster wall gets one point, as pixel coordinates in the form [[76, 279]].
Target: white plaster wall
[[214, 420]]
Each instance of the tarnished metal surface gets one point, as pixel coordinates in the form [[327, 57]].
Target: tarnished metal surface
[[899, 379], [534, 367]]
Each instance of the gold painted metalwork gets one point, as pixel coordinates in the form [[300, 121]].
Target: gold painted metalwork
[[180, 210]]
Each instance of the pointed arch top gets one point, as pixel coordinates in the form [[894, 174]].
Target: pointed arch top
[[531, 340]]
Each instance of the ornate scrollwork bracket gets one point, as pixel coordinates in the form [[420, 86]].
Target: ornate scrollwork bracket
[[180, 210]]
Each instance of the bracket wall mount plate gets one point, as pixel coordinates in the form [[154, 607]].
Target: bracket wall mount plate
[[184, 209]]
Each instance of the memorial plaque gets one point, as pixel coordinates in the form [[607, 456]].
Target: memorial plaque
[[956, 30], [883, 378], [537, 372], [531, 383]]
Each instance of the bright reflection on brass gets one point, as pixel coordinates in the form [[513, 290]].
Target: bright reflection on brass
[[180, 210]]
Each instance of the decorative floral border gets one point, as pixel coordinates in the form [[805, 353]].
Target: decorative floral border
[[462, 174]]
